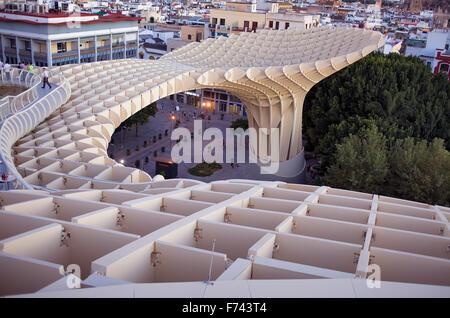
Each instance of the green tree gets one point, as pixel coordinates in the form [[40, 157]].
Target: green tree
[[240, 123], [361, 162], [391, 89], [420, 171], [141, 117]]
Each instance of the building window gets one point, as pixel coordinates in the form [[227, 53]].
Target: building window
[[27, 45], [246, 25], [443, 68], [62, 47], [286, 25], [271, 24], [214, 21], [12, 43], [248, 9], [254, 25], [222, 21], [223, 106], [189, 37], [277, 25]]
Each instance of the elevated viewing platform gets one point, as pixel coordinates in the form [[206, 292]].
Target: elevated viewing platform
[[79, 212]]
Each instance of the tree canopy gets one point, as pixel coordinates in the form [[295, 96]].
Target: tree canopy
[[408, 169], [141, 117], [391, 102]]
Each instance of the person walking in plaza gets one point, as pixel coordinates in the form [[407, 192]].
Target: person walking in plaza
[[31, 68], [45, 78]]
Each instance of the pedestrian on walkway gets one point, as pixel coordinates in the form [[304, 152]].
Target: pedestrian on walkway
[[7, 68], [21, 65], [31, 68], [45, 78], [1, 65]]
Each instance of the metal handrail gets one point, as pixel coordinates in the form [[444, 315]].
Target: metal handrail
[[28, 115], [15, 103]]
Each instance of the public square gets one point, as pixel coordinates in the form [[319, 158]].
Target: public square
[[125, 138]]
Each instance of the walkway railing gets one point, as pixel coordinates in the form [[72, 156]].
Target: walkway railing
[[11, 104], [26, 111]]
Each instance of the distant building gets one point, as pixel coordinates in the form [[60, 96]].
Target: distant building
[[47, 39], [246, 17], [391, 46], [291, 20], [442, 62], [415, 6], [435, 52]]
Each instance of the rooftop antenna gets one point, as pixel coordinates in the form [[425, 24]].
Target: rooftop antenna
[[209, 282]]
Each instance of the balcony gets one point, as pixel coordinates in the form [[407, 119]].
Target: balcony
[[65, 54], [26, 53]]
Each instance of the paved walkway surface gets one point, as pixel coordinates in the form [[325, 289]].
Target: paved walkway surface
[[41, 93]]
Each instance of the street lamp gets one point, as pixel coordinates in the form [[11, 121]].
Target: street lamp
[[122, 161]]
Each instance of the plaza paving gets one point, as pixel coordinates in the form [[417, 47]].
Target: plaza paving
[[125, 138]]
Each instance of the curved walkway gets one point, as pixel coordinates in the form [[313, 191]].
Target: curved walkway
[[24, 112]]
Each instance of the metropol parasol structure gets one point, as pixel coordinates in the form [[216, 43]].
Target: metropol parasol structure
[[77, 211]]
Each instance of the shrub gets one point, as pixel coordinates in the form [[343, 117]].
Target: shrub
[[166, 132], [163, 149], [204, 169], [128, 152], [146, 159], [154, 139], [145, 143], [159, 136], [137, 163]]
